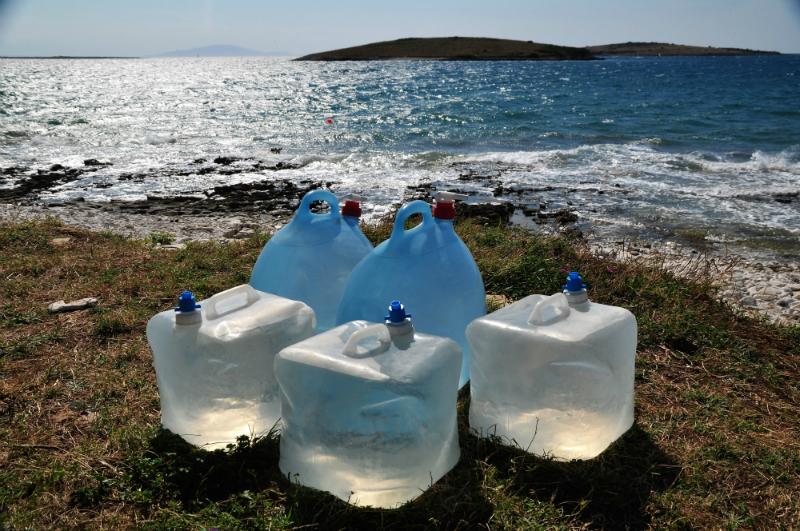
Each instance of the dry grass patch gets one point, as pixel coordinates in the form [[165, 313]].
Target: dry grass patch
[[714, 444]]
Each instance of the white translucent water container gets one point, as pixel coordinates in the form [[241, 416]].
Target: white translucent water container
[[369, 411], [214, 362], [554, 375]]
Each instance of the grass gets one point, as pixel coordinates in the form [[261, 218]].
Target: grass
[[714, 444], [160, 238]]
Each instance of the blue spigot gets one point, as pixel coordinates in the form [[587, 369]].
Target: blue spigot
[[187, 303], [574, 283], [397, 314]]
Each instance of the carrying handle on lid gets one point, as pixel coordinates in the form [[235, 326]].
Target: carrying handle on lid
[[304, 213], [373, 331], [236, 298], [414, 207], [549, 310]]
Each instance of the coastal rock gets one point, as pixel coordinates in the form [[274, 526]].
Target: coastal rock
[[748, 301], [225, 161], [562, 217], [786, 197], [491, 213], [29, 184], [95, 162], [240, 233]]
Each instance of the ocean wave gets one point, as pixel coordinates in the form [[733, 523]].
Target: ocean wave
[[156, 140], [787, 160], [643, 154]]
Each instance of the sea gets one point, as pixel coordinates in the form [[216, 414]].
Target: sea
[[650, 147]]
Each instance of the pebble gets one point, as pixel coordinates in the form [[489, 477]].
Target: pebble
[[80, 304], [749, 301], [768, 289], [172, 247]]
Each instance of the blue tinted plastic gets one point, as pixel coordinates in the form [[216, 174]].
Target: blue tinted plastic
[[430, 270], [310, 259]]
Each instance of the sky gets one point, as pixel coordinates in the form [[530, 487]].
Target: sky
[[150, 27]]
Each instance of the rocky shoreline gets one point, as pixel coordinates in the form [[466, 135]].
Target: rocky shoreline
[[235, 211]]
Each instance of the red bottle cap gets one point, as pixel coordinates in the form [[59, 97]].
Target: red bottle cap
[[444, 210], [351, 208]]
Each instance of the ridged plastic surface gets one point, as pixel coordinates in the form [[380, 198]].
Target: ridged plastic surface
[[370, 419], [557, 382], [428, 268], [310, 259], [215, 377]]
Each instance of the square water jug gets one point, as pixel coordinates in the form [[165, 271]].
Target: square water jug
[[214, 362], [554, 375], [369, 415]]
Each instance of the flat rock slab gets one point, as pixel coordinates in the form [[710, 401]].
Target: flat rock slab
[[71, 306]]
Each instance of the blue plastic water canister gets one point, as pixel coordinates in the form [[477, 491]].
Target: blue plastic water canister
[[427, 267], [310, 259]]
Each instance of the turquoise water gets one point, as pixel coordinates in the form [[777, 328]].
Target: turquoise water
[[633, 144]]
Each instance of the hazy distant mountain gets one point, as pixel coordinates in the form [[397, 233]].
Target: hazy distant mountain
[[219, 50]]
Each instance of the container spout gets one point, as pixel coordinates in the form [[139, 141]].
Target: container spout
[[398, 321], [444, 207], [186, 311], [352, 205], [575, 289]]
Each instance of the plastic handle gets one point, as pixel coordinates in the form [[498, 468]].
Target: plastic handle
[[374, 331], [414, 207], [245, 291], [550, 310], [304, 210]]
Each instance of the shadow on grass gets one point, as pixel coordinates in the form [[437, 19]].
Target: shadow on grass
[[195, 477], [610, 491]]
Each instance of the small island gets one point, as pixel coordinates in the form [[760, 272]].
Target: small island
[[453, 49], [669, 49]]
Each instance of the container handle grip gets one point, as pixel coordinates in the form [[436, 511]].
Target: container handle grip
[[549, 310], [238, 298], [374, 331], [414, 207], [304, 213]]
